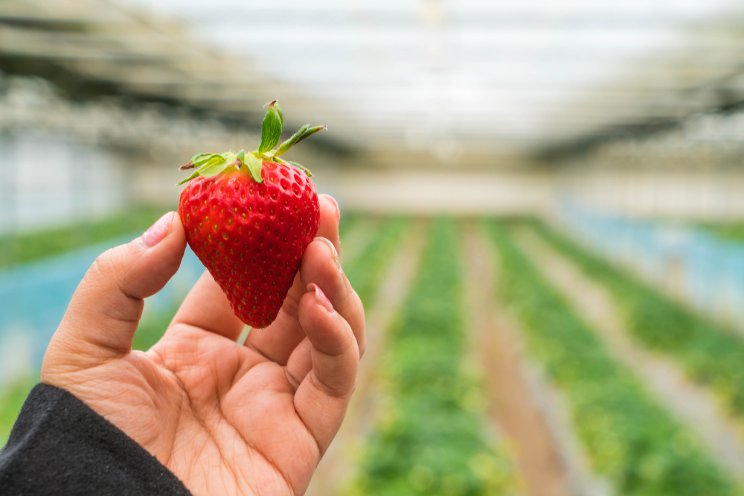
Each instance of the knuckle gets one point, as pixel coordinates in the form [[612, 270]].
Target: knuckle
[[103, 264], [107, 268]]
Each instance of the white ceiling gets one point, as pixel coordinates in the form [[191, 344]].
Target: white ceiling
[[449, 71]]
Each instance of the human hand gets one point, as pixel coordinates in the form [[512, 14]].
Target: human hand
[[223, 417]]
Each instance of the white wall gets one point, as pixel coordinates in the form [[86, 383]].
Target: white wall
[[48, 180], [650, 192], [696, 194]]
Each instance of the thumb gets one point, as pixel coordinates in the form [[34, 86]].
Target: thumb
[[105, 310]]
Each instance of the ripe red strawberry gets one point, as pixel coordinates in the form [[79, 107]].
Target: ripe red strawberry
[[249, 216]]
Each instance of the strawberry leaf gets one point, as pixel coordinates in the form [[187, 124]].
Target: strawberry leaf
[[192, 176], [213, 166], [302, 133], [271, 128], [254, 165], [202, 158]]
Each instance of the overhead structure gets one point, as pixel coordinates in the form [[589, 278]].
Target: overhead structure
[[426, 81], [94, 48]]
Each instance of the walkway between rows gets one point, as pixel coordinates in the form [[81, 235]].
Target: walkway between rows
[[693, 405], [520, 402], [338, 464]]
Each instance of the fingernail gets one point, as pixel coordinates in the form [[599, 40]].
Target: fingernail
[[320, 297], [335, 204], [333, 252], [156, 232]]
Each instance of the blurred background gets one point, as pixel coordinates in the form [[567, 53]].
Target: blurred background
[[567, 173]]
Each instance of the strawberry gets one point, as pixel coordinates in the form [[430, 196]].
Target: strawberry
[[249, 216]]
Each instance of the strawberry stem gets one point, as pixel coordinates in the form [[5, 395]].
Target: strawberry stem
[[212, 164]]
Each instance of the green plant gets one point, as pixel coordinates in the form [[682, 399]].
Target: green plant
[[430, 438], [732, 231], [366, 268], [631, 440], [11, 400], [17, 248], [710, 354]]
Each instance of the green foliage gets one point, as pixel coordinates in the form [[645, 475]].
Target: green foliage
[[367, 268], [254, 165], [303, 133], [430, 438], [348, 221], [26, 247], [151, 328], [631, 440], [731, 231], [14, 394], [710, 354], [271, 128], [11, 400]]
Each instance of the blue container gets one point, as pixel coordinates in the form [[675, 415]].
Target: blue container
[[705, 271], [34, 296]]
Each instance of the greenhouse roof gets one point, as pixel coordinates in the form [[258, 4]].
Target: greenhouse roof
[[433, 75]]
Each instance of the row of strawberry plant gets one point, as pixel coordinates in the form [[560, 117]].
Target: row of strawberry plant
[[347, 223], [710, 354], [730, 231], [430, 437], [632, 441], [11, 399], [18, 248], [366, 268]]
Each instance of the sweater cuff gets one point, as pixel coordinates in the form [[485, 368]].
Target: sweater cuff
[[59, 445]]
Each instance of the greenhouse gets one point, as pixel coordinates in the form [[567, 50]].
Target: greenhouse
[[539, 205]]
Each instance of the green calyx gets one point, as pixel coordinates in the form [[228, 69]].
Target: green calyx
[[212, 164]]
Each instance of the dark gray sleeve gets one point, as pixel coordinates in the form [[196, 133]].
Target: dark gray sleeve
[[60, 446]]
